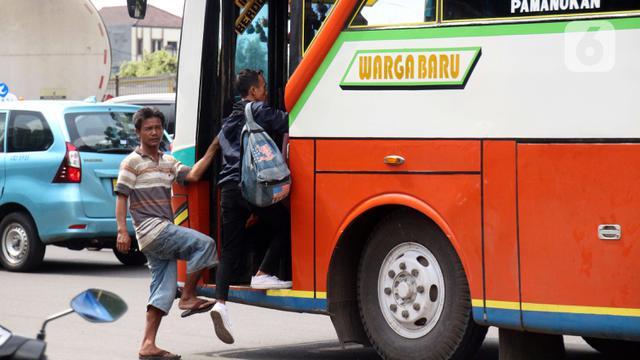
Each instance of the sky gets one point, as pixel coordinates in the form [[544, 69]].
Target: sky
[[172, 6]]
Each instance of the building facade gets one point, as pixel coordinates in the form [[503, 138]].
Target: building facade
[[130, 38]]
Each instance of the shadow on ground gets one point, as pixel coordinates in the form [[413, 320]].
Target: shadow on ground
[[75, 267], [332, 350]]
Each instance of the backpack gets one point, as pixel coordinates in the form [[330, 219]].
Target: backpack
[[264, 175]]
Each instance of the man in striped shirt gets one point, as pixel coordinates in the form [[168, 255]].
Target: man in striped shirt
[[144, 182]]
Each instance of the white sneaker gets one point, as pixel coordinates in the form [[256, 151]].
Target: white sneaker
[[269, 282], [221, 323]]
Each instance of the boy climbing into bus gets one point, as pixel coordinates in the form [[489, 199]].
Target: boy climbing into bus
[[236, 212]]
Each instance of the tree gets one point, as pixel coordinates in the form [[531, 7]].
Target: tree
[[251, 53], [152, 64]]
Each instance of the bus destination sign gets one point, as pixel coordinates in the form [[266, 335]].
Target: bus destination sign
[[251, 9]]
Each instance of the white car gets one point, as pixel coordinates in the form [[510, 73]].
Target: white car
[[165, 102]]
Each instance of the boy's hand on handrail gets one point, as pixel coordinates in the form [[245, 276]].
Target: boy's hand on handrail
[[201, 166]]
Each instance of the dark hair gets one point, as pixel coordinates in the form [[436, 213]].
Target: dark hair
[[245, 79], [147, 113]]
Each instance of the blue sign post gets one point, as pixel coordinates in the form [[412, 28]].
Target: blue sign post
[[4, 89]]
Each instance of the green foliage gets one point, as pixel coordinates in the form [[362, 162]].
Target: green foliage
[[152, 64], [251, 53]]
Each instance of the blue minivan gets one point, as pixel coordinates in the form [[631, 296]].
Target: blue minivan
[[59, 162]]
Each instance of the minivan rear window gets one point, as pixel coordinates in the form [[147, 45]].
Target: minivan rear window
[[108, 132], [104, 132]]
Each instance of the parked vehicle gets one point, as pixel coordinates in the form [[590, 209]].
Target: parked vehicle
[[165, 102], [32, 62], [59, 161], [93, 305]]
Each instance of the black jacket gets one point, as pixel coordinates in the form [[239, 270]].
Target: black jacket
[[275, 122]]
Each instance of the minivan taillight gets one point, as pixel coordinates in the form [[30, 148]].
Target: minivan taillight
[[70, 170]]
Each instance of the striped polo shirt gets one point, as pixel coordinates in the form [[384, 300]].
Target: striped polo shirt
[[147, 184]]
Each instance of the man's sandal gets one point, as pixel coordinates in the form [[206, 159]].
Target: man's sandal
[[199, 307], [165, 355]]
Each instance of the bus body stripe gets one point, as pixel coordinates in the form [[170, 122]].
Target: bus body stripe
[[317, 52], [556, 308], [607, 326], [186, 155], [288, 300]]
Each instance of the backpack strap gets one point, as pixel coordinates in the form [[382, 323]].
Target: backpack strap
[[250, 122]]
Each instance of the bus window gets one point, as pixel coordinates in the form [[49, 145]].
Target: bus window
[[464, 10], [251, 46], [315, 13], [393, 12]]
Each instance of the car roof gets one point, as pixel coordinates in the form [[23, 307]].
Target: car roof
[[62, 105], [145, 98]]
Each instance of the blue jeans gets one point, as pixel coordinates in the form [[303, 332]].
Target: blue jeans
[[176, 243]]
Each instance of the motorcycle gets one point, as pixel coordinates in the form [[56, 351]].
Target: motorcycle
[[93, 305]]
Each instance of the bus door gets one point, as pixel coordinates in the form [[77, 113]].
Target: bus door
[[254, 36]]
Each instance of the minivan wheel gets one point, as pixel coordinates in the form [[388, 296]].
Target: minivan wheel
[[22, 249], [413, 294], [134, 257]]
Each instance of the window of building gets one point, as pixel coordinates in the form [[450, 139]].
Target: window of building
[[156, 45], [172, 47], [28, 131], [395, 12], [139, 46]]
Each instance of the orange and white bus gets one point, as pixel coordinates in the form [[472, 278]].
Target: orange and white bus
[[455, 164]]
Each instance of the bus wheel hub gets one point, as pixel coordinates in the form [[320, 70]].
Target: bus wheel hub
[[411, 290]]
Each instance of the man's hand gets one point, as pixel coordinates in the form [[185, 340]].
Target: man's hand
[[201, 165], [123, 244], [252, 220]]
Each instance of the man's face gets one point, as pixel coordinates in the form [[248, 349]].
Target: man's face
[[259, 92], [150, 132]]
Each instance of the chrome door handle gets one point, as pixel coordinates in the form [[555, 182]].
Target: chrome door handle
[[609, 232], [394, 160]]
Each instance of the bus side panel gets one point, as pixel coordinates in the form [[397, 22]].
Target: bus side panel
[[572, 281], [455, 196], [196, 198], [500, 235], [301, 164]]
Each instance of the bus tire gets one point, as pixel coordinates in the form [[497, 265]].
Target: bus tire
[[21, 248], [413, 293], [621, 349], [134, 257]]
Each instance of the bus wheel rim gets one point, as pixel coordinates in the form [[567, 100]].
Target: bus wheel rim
[[15, 243], [411, 290]]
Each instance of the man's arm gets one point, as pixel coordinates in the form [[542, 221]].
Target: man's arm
[[272, 119], [201, 166], [123, 242]]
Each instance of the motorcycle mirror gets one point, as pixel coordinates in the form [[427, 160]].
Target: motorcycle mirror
[[137, 8], [96, 305]]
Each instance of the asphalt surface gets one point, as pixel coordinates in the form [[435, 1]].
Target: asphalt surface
[[27, 299]]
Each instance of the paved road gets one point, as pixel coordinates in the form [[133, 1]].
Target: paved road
[[27, 299]]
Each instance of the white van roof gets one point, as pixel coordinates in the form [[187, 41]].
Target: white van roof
[[145, 98]]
